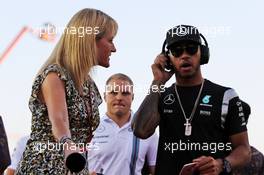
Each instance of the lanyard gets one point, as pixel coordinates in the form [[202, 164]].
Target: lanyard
[[134, 154]]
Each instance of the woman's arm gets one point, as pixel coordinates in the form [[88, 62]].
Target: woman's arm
[[54, 96]]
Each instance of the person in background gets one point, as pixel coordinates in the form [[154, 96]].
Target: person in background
[[256, 164], [116, 150], [64, 100], [4, 150], [17, 154]]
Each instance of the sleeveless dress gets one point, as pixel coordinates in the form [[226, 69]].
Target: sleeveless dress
[[42, 156]]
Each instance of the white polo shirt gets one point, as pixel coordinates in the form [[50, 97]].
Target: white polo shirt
[[113, 150], [18, 152]]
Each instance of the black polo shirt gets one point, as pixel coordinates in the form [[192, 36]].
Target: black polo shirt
[[219, 114]]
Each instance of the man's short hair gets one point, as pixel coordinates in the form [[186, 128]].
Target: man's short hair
[[119, 76]]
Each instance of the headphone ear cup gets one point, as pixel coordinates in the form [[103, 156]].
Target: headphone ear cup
[[205, 54], [167, 54]]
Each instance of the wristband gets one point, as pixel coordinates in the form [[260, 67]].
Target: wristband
[[64, 139], [226, 166]]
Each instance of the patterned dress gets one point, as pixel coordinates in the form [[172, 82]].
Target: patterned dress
[[41, 156]]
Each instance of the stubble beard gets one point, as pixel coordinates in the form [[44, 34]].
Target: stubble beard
[[119, 114], [188, 76]]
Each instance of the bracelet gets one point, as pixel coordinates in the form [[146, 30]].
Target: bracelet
[[64, 139]]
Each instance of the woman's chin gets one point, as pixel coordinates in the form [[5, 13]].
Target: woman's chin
[[104, 65]]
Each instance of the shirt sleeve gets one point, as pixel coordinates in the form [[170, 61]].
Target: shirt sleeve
[[236, 117], [152, 150]]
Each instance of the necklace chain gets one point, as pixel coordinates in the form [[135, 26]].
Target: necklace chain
[[195, 104]]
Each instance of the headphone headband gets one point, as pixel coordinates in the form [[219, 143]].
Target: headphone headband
[[205, 42]]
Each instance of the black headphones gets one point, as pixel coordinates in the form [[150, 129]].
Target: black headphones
[[205, 54]]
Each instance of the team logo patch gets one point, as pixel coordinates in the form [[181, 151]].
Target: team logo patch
[[205, 113], [206, 99], [168, 111], [100, 128], [169, 99]]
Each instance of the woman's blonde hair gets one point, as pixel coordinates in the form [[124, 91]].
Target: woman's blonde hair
[[77, 53]]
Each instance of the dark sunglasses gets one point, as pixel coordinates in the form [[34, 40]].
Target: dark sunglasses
[[190, 49]]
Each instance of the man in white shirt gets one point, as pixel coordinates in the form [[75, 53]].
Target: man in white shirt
[[17, 154], [115, 149]]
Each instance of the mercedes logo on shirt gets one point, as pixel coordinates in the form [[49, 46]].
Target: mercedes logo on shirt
[[169, 99]]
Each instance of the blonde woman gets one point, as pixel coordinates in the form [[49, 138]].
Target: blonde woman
[[64, 100]]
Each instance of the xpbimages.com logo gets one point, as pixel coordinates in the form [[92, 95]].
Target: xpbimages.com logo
[[115, 88], [206, 30], [81, 31], [195, 146], [183, 30], [51, 146]]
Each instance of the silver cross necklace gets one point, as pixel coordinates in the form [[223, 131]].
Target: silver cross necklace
[[187, 124]]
